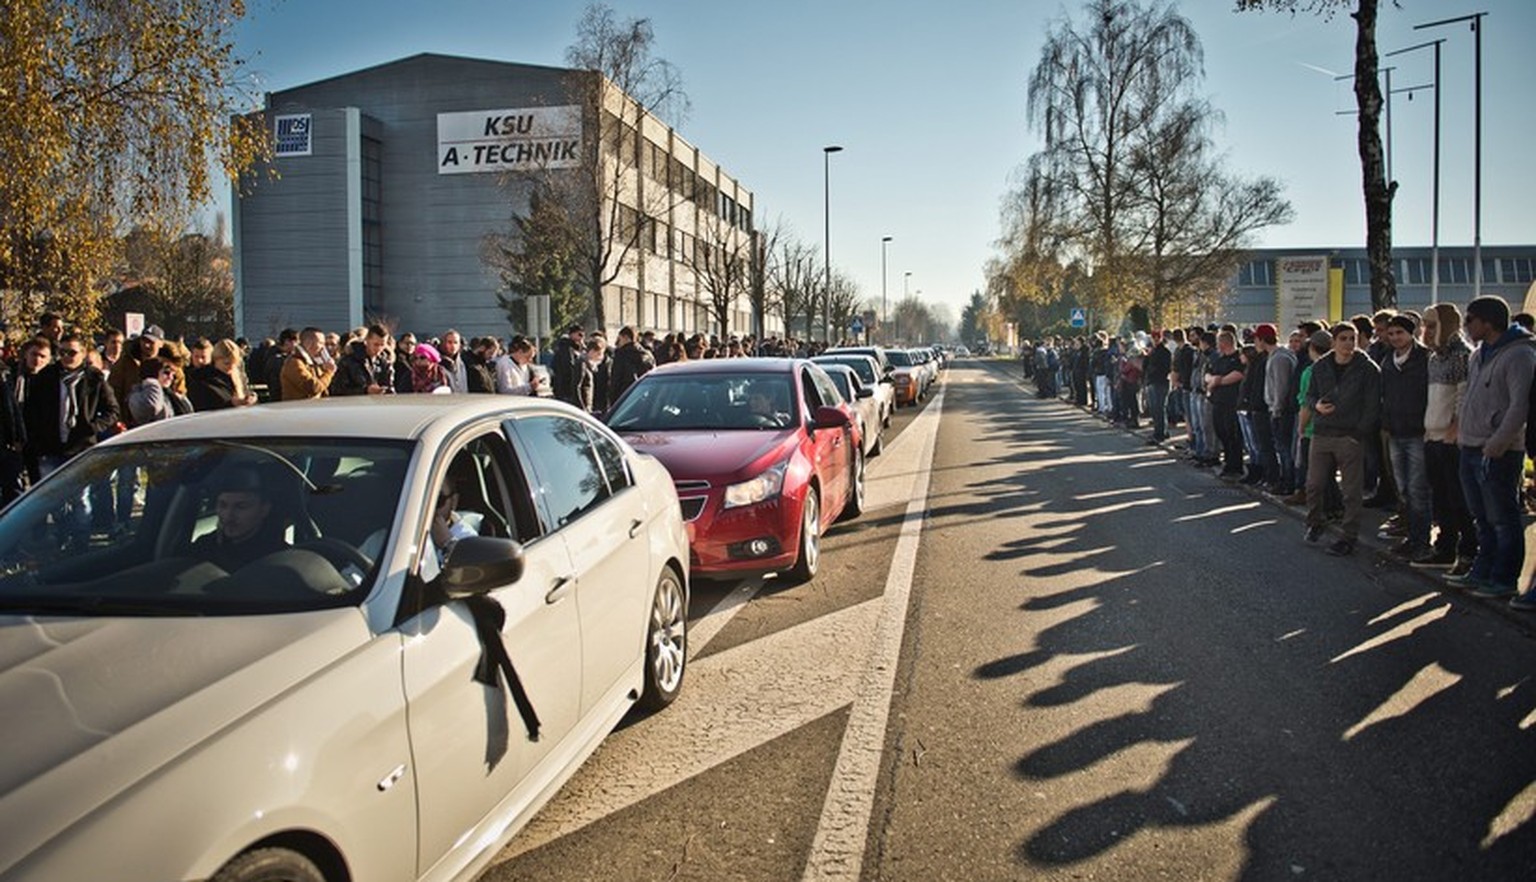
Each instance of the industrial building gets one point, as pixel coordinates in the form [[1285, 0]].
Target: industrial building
[[385, 183]]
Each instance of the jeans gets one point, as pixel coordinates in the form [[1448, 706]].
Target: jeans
[[1492, 489], [1345, 455], [1197, 426], [1412, 478], [1282, 430], [1157, 409], [1447, 500]]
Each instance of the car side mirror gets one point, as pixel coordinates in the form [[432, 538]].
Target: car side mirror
[[889, 377], [479, 565], [866, 392], [830, 418]]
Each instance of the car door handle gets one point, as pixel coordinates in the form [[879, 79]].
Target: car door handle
[[634, 527], [561, 588]]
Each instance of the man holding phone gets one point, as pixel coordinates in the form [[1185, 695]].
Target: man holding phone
[[1345, 400]]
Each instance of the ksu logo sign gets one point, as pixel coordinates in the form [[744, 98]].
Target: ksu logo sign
[[292, 135]]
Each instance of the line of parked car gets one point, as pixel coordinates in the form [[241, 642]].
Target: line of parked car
[[369, 638]]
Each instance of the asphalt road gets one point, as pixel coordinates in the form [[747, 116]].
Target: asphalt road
[[1072, 657]]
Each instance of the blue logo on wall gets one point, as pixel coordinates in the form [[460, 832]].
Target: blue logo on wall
[[292, 135]]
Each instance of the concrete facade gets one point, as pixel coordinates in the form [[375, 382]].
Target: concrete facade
[[366, 227]]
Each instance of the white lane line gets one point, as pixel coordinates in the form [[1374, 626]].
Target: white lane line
[[733, 701], [709, 625], [838, 849]]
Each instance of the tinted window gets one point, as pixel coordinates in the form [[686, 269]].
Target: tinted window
[[827, 388], [611, 456], [680, 402], [570, 480]]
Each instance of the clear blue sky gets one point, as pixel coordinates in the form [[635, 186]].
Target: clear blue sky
[[928, 101]]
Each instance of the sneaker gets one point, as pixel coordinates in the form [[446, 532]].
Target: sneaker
[[1460, 568], [1493, 589], [1430, 558], [1231, 477], [1464, 580], [1297, 498], [1342, 548], [1524, 602], [1393, 522], [1313, 534]]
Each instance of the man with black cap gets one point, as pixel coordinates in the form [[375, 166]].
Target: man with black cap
[[1404, 400], [1491, 428], [1344, 397]]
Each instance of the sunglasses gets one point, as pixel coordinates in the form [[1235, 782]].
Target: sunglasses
[[63, 352]]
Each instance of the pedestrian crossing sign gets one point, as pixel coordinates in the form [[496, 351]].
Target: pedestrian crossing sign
[[1079, 317]]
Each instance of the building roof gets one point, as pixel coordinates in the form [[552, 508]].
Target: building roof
[[417, 59]]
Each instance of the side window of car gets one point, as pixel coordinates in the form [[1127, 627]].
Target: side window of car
[[569, 479], [611, 456], [488, 488], [826, 388], [810, 393]]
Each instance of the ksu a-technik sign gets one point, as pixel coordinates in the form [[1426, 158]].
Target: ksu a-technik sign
[[527, 139]]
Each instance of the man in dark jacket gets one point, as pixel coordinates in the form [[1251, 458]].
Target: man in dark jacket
[[1223, 386], [1404, 399], [566, 365], [287, 342], [1158, 365], [480, 366], [366, 368], [13, 437], [1345, 400], [631, 361], [68, 404]]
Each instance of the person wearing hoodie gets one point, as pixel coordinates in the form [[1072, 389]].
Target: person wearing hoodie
[[1456, 540], [631, 361], [566, 367], [1490, 427], [1344, 398]]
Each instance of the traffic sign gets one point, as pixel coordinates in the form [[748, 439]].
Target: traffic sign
[[856, 326], [1079, 317]]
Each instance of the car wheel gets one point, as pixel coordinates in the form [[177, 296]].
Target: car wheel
[[879, 447], [269, 865], [855, 504], [666, 643], [810, 538]]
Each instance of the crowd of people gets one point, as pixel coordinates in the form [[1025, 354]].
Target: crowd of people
[[1423, 413], [63, 390]]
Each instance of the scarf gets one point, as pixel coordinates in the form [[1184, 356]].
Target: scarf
[[69, 407]]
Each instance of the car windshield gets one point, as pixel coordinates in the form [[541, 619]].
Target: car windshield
[[900, 357], [861, 366], [662, 403], [210, 527]]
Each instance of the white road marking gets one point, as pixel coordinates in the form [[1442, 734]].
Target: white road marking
[[711, 623], [837, 852]]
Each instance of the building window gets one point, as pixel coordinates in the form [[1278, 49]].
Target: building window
[[1515, 270], [1416, 271], [373, 237], [1455, 271], [1255, 274]]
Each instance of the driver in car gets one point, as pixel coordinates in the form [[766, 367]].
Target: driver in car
[[246, 529], [760, 406]]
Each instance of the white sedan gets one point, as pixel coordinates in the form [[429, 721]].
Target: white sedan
[[349, 639]]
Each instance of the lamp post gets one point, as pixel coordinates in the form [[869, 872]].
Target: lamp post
[[885, 312], [1434, 222], [826, 183], [906, 293], [1476, 19]]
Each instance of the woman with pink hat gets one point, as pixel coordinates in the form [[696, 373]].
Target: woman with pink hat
[[427, 374]]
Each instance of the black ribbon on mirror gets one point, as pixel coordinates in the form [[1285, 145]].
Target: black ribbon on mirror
[[489, 618]]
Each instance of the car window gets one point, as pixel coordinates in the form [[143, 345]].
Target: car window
[[570, 479], [811, 394], [827, 389], [611, 457]]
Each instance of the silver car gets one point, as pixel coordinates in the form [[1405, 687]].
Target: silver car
[[347, 639], [866, 408], [870, 374]]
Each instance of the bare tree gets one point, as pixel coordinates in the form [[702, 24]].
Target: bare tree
[[794, 277], [842, 301], [1098, 87], [1379, 192], [722, 265], [187, 278]]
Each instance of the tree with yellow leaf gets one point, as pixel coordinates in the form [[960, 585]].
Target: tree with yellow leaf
[[110, 112]]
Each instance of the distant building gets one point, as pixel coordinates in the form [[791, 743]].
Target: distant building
[[390, 179], [1258, 293]]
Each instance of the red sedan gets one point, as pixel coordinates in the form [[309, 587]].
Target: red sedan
[[764, 452]]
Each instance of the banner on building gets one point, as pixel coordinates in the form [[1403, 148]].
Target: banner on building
[[527, 139], [291, 135], [1302, 290]]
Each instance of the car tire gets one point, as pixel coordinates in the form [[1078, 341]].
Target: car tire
[[809, 559], [666, 643], [855, 504], [269, 865], [879, 447]]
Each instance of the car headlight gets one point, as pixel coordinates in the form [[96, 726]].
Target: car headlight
[[763, 487]]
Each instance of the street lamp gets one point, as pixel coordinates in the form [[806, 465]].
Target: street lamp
[[906, 293], [826, 184], [1476, 19], [1434, 223], [885, 312]]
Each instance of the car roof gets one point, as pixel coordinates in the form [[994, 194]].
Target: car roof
[[402, 417], [754, 365]]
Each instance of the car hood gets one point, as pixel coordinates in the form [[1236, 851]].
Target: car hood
[[713, 455], [94, 705]]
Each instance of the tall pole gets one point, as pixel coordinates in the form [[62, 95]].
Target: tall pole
[[826, 293], [906, 293], [885, 311], [1476, 19], [1434, 223]]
